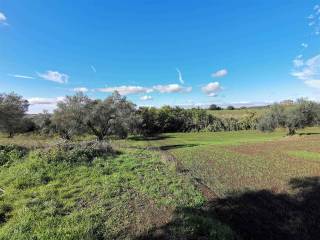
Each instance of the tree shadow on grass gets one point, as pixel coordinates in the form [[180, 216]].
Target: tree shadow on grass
[[257, 215], [176, 146], [150, 138], [310, 133]]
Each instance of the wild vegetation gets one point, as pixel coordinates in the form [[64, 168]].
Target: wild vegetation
[[105, 169]]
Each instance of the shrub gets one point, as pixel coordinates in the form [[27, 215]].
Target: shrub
[[216, 126], [84, 152], [9, 153]]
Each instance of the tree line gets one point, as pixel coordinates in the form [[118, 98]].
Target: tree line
[[115, 116]]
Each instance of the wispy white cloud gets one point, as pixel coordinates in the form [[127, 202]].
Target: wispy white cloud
[[93, 69], [3, 19], [314, 20], [211, 89], [20, 76], [44, 101], [81, 89], [126, 90], [298, 61], [220, 73], [180, 76], [54, 76], [308, 71], [304, 45], [146, 98], [171, 88]]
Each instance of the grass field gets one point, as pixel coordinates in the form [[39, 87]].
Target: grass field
[[223, 185], [233, 161], [237, 113], [264, 186]]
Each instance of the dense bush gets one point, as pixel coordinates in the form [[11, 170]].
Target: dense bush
[[12, 111], [70, 152], [9, 153]]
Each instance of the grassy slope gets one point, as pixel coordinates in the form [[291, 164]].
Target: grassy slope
[[120, 197]]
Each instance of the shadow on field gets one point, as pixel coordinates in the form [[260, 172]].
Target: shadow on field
[[150, 138], [310, 133], [176, 146], [257, 215]]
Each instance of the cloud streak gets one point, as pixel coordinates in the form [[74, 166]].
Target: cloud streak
[[54, 76], [93, 69], [180, 76], [21, 76]]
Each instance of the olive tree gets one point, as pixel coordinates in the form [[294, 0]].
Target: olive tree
[[111, 116], [69, 117], [304, 113], [273, 118], [12, 111]]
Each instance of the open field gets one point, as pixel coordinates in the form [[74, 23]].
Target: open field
[[237, 113], [234, 161], [222, 185], [262, 185]]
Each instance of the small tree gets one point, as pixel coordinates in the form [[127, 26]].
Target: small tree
[[231, 108], [43, 122], [70, 114], [148, 125], [214, 107], [112, 116], [305, 113], [12, 110], [273, 118]]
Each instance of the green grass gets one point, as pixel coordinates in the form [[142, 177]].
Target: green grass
[[115, 197], [305, 155], [139, 192], [238, 161], [237, 113]]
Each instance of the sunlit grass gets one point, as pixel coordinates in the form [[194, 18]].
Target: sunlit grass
[[305, 155]]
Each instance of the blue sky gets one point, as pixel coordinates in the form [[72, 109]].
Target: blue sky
[[161, 52]]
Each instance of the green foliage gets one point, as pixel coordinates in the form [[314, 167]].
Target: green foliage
[[43, 123], [231, 108], [9, 153], [12, 110], [83, 152], [112, 116], [304, 113], [214, 107], [69, 116]]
